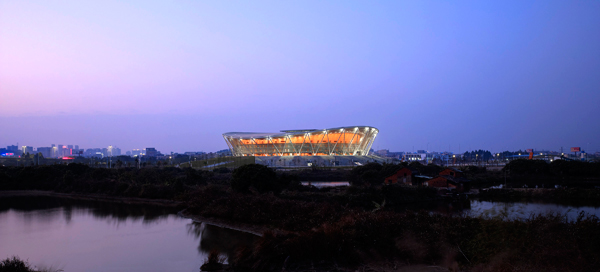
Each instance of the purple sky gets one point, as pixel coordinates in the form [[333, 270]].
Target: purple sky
[[491, 75]]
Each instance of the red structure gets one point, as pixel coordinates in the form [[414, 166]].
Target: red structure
[[402, 176], [451, 172], [451, 179]]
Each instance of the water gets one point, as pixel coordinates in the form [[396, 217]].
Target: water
[[99, 236], [507, 210], [523, 210], [323, 184]]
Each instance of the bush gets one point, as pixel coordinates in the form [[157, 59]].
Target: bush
[[260, 177], [14, 264]]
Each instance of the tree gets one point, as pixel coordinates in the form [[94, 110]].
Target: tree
[[367, 175], [260, 177]]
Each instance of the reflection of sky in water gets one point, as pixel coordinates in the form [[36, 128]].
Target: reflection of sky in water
[[321, 184], [521, 210], [95, 236]]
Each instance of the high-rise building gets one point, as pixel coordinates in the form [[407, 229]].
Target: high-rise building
[[14, 149], [46, 151], [54, 152], [151, 152], [27, 149]]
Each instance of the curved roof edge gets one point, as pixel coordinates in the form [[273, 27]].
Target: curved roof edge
[[243, 135]]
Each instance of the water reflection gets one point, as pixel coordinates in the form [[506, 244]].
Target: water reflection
[[225, 241], [524, 210], [51, 207], [81, 235], [507, 210]]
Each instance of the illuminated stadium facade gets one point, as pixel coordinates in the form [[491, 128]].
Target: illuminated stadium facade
[[342, 141]]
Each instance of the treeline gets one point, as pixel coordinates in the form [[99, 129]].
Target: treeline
[[164, 183], [560, 168]]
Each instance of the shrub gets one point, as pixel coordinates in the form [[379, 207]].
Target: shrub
[[14, 264], [262, 178]]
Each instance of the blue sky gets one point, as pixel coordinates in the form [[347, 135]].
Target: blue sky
[[175, 76]]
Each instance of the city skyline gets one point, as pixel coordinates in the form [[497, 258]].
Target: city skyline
[[492, 76], [72, 150]]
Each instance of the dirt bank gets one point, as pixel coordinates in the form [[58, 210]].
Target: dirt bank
[[224, 223]]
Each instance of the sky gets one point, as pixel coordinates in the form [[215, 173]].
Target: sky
[[176, 75]]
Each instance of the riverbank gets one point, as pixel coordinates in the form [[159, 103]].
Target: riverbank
[[95, 197], [570, 196], [229, 224], [219, 222]]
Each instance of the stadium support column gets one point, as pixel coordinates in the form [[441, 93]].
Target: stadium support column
[[229, 145]]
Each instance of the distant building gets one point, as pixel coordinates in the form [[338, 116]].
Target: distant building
[[151, 152], [414, 157], [224, 152], [27, 149], [5, 152], [450, 179], [402, 176], [382, 152], [63, 151], [46, 151], [113, 151], [93, 152], [13, 149]]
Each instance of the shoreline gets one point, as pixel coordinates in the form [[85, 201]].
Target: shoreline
[[79, 196], [228, 224], [222, 223]]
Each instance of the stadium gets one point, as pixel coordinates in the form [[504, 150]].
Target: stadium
[[341, 141]]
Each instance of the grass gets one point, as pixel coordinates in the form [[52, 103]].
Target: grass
[[231, 162], [540, 243]]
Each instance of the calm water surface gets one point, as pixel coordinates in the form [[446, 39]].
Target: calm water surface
[[508, 210], [523, 210], [98, 236]]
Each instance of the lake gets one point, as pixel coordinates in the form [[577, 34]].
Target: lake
[[77, 235]]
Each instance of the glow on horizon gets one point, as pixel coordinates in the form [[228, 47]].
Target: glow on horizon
[[177, 75]]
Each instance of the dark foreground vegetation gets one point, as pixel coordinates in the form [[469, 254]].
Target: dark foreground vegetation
[[15, 264], [344, 228]]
